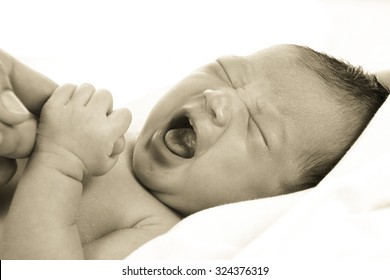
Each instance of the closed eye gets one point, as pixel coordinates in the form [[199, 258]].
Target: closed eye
[[241, 93], [253, 111], [260, 130]]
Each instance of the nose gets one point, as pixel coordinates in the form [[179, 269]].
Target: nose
[[218, 103]]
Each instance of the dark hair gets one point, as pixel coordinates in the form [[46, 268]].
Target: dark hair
[[359, 94]]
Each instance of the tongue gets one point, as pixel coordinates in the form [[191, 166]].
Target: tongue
[[181, 141]]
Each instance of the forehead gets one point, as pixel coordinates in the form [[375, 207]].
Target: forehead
[[273, 64], [274, 78], [292, 100], [276, 74]]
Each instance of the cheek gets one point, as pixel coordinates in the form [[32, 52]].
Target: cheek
[[222, 167], [235, 172], [216, 184], [158, 114]]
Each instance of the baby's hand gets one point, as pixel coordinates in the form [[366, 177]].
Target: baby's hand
[[78, 122]]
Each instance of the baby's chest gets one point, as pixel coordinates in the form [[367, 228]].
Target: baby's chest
[[103, 209], [107, 207]]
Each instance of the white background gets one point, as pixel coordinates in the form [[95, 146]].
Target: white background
[[136, 47]]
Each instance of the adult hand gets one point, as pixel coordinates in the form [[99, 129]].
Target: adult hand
[[23, 92]]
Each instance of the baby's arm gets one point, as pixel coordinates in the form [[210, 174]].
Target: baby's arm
[[78, 134]]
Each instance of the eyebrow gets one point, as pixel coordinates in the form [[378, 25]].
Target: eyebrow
[[226, 73], [259, 127]]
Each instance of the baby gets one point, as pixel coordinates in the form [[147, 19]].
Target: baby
[[239, 128]]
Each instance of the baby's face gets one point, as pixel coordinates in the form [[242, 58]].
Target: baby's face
[[233, 130]]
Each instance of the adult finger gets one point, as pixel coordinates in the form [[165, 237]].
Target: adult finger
[[17, 141], [12, 111], [8, 169], [6, 63], [32, 88]]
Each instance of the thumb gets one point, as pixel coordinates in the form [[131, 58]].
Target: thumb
[[12, 110], [120, 121]]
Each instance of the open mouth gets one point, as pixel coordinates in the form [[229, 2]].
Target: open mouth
[[180, 137]]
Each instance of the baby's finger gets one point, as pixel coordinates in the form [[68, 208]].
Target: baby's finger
[[12, 110], [102, 101], [120, 121], [119, 146], [62, 94], [82, 94]]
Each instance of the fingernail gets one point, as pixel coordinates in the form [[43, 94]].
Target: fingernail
[[12, 103]]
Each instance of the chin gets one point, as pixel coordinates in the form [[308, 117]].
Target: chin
[[154, 165], [157, 164]]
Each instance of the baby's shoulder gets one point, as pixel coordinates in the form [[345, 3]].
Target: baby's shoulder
[[155, 219]]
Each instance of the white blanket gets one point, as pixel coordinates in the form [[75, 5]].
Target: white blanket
[[346, 216]]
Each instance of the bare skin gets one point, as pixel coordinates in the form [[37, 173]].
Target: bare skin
[[138, 216], [104, 227], [116, 214]]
